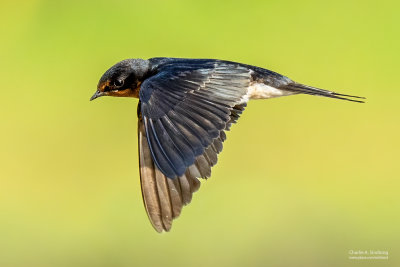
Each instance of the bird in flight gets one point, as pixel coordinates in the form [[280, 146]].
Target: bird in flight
[[185, 106]]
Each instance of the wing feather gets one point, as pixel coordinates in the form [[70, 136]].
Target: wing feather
[[194, 102], [163, 197], [183, 115], [148, 181]]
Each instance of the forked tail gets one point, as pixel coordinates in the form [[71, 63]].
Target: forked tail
[[309, 90]]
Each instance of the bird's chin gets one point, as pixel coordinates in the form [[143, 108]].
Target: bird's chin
[[118, 93], [124, 93]]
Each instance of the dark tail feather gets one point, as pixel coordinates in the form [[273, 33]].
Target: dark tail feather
[[309, 90]]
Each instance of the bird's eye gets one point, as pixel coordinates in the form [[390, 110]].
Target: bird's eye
[[118, 83]]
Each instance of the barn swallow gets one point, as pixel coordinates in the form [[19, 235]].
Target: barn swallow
[[185, 106]]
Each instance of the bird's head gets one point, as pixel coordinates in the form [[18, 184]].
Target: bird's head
[[123, 79]]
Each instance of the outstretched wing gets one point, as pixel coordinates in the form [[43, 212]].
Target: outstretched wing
[[185, 108], [163, 197], [183, 113]]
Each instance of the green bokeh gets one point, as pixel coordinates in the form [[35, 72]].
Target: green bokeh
[[301, 180]]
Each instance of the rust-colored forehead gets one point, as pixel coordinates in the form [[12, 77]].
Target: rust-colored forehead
[[102, 85]]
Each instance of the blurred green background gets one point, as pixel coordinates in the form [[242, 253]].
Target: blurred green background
[[302, 180]]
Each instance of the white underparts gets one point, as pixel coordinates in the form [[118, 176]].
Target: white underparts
[[263, 91]]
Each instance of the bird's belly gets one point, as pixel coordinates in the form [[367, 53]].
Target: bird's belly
[[263, 91]]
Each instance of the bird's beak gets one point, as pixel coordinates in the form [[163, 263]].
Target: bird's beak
[[96, 95]]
